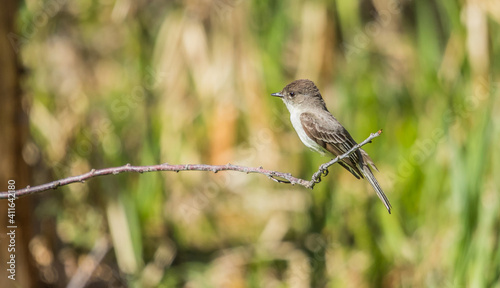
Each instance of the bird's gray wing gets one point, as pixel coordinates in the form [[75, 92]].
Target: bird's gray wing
[[331, 135], [334, 138]]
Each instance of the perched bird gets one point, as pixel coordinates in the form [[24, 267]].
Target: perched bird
[[319, 130]]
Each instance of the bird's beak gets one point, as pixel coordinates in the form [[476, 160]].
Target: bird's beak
[[278, 94]]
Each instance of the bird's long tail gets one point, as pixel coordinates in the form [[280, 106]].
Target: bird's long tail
[[367, 172]]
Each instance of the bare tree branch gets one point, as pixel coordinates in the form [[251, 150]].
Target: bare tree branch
[[276, 176]]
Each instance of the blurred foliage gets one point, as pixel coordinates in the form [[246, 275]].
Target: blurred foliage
[[147, 82]]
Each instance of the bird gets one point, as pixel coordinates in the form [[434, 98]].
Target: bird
[[320, 131]]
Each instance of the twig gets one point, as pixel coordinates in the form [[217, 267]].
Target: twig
[[276, 176]]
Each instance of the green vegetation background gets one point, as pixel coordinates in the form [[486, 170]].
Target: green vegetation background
[[147, 82]]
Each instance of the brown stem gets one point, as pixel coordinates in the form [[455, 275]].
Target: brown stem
[[276, 176]]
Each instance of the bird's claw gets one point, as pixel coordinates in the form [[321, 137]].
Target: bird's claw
[[324, 169]]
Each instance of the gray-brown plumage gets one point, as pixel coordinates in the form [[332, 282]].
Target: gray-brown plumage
[[319, 130]]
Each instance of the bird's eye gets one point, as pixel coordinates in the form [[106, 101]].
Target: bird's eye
[[292, 94]]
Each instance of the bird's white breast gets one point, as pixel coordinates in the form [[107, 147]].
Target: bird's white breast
[[297, 125]]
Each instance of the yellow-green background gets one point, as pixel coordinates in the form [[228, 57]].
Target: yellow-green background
[[146, 82]]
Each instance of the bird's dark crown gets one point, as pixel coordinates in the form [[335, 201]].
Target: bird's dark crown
[[302, 86]]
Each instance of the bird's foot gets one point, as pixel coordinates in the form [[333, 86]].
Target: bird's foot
[[318, 179], [324, 169]]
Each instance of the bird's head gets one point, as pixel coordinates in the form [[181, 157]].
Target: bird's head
[[302, 92]]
